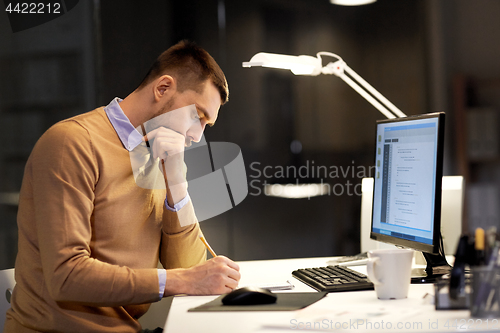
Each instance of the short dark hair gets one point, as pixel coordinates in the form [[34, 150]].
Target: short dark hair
[[190, 65]]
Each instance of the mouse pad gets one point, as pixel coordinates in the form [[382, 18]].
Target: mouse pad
[[285, 302]]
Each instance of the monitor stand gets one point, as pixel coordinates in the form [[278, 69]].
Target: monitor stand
[[437, 266]]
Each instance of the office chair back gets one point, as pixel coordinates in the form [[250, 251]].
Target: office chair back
[[7, 284]]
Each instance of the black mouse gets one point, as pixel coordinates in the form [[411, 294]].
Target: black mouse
[[249, 296]]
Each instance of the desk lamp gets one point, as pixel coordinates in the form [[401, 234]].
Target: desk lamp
[[312, 66]]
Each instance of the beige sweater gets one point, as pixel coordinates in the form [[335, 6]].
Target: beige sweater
[[89, 237]]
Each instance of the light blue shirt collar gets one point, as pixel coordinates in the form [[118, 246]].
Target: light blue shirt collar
[[128, 135]]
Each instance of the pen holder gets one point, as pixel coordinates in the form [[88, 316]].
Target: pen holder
[[443, 300], [485, 299]]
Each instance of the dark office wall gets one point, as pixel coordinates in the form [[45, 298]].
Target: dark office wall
[[47, 74], [475, 55], [132, 35]]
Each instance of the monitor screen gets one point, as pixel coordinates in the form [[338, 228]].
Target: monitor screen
[[407, 188]]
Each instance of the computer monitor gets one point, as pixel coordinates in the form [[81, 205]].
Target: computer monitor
[[407, 188]]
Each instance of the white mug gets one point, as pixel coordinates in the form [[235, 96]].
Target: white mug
[[390, 272]]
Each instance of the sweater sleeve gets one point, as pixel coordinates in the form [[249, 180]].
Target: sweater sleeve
[[181, 246], [63, 174]]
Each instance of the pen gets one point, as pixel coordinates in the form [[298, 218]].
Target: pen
[[490, 237], [479, 246], [145, 134], [209, 248]]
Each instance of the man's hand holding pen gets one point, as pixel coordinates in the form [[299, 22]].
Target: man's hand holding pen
[[218, 275]]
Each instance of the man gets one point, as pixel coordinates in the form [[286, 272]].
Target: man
[[89, 237]]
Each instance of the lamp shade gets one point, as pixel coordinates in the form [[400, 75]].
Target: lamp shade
[[299, 65]]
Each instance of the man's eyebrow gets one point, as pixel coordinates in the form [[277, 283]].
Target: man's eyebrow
[[207, 116]]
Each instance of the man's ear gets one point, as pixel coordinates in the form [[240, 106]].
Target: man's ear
[[164, 85]]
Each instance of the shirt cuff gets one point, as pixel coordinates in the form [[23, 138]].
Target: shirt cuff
[[162, 279], [177, 207]]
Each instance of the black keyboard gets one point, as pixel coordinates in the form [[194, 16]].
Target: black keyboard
[[333, 279]]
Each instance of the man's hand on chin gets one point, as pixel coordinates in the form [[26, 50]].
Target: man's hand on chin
[[168, 146]]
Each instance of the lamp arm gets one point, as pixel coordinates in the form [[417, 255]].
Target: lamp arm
[[374, 92], [367, 96], [339, 68]]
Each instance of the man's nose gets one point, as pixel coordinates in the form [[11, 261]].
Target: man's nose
[[196, 131]]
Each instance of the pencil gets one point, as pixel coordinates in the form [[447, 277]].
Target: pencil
[[207, 246]]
